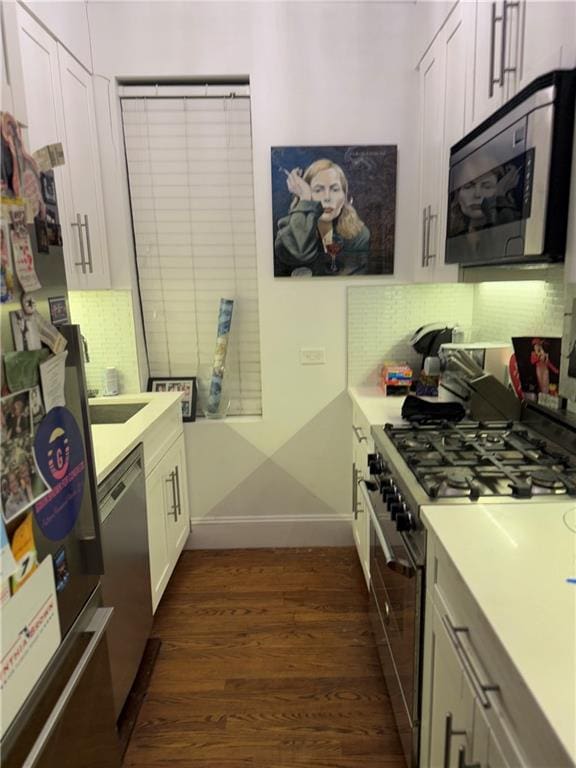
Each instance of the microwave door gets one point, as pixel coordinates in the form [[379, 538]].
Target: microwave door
[[489, 200]]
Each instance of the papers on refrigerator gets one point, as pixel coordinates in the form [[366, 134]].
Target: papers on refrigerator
[[52, 375], [22, 251], [30, 636], [7, 562]]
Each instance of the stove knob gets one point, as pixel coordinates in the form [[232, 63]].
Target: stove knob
[[385, 486], [395, 509], [375, 465], [389, 499], [403, 521]]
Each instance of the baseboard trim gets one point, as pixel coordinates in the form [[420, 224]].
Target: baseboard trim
[[254, 533]]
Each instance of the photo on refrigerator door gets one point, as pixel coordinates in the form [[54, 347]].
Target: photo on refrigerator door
[[334, 210], [21, 481]]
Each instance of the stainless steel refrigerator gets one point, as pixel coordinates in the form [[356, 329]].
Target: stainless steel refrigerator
[[66, 718]]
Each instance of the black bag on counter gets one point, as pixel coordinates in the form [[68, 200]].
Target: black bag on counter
[[423, 411]]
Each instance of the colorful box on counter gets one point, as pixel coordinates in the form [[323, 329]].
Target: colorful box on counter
[[395, 378]]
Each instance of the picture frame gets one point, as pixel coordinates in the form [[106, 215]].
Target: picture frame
[[184, 384]]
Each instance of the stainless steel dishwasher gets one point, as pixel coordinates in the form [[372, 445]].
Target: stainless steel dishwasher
[[126, 579]]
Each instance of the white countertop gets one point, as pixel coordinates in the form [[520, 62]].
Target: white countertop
[[112, 442], [376, 406], [515, 559]]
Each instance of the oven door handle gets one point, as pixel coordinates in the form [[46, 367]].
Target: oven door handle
[[402, 567]]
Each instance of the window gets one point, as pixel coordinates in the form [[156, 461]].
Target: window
[[189, 160]]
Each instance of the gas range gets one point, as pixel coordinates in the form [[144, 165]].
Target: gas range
[[471, 461]]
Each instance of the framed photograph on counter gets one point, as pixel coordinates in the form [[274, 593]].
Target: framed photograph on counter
[[185, 385]]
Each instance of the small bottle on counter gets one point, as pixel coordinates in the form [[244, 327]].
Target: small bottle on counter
[[110, 383]]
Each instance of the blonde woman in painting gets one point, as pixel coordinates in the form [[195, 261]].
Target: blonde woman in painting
[[322, 233]]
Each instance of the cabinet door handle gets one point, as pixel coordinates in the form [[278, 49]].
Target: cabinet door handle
[[448, 733], [424, 230], [177, 477], [356, 478], [88, 245], [82, 262], [491, 81], [480, 688], [174, 510], [503, 68], [431, 217], [462, 760], [358, 432]]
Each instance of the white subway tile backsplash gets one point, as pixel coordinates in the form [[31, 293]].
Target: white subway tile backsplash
[[381, 319], [522, 308], [107, 322]]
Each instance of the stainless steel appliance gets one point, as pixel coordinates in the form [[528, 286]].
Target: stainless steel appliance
[[532, 459], [126, 579], [66, 715], [509, 181]]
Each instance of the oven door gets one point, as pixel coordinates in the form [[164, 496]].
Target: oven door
[[396, 613]]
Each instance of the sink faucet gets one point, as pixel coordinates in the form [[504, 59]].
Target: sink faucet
[[85, 345]]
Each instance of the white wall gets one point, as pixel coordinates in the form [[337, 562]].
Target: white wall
[[320, 73]]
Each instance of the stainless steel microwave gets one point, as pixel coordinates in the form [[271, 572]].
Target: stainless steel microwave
[[509, 180]]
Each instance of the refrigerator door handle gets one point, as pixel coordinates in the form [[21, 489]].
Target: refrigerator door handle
[[82, 262], [88, 245], [97, 626]]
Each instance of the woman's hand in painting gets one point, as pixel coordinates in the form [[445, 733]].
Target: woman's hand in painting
[[508, 181], [296, 184]]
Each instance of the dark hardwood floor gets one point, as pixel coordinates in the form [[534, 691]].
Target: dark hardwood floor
[[267, 661]]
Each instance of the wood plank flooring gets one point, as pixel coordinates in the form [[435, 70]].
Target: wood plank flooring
[[267, 661]]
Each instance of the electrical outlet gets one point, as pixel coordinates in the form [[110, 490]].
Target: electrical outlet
[[313, 356]]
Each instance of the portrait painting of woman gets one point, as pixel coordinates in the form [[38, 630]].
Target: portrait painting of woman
[[333, 210]]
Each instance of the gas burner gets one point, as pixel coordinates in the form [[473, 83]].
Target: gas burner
[[547, 479], [459, 479], [416, 443], [492, 440]]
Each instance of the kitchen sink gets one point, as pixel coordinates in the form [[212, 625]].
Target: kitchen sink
[[114, 413]]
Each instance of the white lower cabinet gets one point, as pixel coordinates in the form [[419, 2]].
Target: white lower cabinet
[[362, 445], [476, 709], [168, 516]]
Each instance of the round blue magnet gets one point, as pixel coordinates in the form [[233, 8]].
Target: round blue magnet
[[59, 452]]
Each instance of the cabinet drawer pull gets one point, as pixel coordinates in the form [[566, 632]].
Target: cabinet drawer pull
[[462, 760], [88, 245], [82, 262], [448, 733], [480, 688], [359, 436]]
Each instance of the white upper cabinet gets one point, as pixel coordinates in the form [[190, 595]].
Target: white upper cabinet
[[548, 39], [89, 258], [68, 23], [515, 42], [443, 81], [59, 108]]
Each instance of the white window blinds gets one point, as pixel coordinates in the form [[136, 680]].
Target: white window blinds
[[189, 159]]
